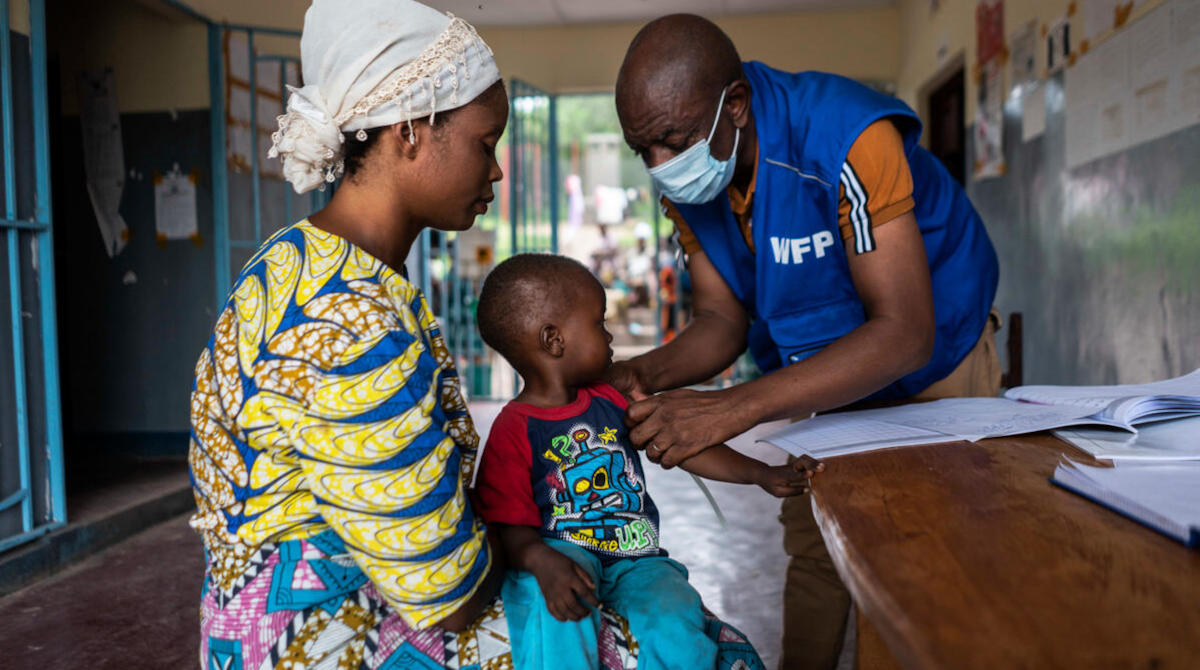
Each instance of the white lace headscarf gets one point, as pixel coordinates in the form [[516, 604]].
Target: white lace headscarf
[[372, 63]]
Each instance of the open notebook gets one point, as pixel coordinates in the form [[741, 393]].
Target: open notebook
[[971, 419], [1126, 405], [1164, 497]]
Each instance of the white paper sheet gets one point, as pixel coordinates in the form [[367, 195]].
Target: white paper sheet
[[1058, 45], [175, 205], [1098, 18], [1150, 55], [239, 104], [1098, 397], [1023, 56], [103, 156], [293, 74], [1033, 112], [1110, 81], [269, 110], [989, 124], [923, 423], [239, 56], [1185, 25], [268, 73], [1079, 113], [1165, 441]]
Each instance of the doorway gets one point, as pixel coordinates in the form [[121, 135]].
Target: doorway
[[947, 125]]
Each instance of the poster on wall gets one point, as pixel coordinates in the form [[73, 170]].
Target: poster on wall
[[103, 156], [1058, 45], [991, 52], [1023, 60], [1185, 45], [1033, 112], [989, 31], [175, 205], [989, 123], [1140, 83], [1099, 17]]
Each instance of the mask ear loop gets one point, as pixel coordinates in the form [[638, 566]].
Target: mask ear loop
[[720, 105]]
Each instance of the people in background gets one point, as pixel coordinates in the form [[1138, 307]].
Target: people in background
[[563, 485], [821, 236]]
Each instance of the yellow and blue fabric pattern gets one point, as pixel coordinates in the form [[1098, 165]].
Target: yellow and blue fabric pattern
[[327, 400]]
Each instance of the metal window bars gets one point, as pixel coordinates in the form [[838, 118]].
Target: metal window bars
[[36, 417]]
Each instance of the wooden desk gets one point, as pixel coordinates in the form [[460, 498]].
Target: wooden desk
[[965, 556]]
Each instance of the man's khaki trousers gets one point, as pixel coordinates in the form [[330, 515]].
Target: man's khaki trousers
[[815, 602]]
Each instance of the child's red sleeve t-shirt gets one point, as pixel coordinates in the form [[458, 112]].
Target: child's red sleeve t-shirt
[[504, 493]]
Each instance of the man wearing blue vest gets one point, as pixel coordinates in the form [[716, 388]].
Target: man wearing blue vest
[[821, 236]]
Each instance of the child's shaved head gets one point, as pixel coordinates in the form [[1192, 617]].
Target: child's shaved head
[[523, 293]]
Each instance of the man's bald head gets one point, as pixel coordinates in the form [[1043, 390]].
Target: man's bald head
[[669, 83], [679, 50]]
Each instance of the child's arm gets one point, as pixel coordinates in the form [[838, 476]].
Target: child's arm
[[562, 580], [726, 465]]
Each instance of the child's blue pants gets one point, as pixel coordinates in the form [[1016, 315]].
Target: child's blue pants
[[653, 595]]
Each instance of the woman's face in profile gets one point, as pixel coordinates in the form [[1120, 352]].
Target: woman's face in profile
[[457, 175]]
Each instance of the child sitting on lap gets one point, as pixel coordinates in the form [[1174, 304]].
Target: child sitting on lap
[[562, 481]]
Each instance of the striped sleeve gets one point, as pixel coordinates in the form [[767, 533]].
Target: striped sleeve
[[875, 184]]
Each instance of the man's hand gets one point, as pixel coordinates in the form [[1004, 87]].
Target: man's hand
[[674, 426], [623, 376], [563, 582], [792, 479]]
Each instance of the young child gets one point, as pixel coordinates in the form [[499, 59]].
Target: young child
[[561, 480]]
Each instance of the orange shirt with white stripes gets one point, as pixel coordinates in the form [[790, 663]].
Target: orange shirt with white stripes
[[876, 187]]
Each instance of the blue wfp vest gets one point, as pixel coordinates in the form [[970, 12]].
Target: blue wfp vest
[[797, 288]]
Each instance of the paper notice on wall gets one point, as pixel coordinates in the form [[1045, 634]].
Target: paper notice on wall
[[1149, 72], [292, 70], [989, 30], [268, 74], [1099, 16], [1113, 94], [1058, 45], [1185, 24], [1033, 112], [103, 156], [175, 205], [237, 48], [989, 123], [1023, 60], [1079, 113], [240, 147]]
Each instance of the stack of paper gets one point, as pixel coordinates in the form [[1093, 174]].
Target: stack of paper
[[1165, 497], [1125, 405], [1165, 441], [1027, 409]]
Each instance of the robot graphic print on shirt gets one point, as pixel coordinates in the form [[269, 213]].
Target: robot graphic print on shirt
[[597, 496]]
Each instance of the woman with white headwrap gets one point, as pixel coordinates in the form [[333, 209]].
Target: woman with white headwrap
[[330, 442]]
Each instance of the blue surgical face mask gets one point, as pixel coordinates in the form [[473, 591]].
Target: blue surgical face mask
[[694, 176]]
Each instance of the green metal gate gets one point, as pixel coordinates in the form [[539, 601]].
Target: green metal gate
[[526, 220], [32, 498]]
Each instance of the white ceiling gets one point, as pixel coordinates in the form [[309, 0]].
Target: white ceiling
[[290, 13], [562, 12]]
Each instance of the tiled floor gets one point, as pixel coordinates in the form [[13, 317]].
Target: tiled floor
[[136, 604]]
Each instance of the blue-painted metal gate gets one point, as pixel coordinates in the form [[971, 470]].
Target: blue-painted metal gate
[[32, 498]]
